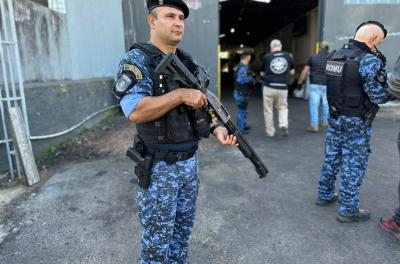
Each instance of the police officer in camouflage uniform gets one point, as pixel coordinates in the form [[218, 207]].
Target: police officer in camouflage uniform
[[243, 85], [166, 119], [356, 84]]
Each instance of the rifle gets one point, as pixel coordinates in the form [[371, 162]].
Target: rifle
[[172, 66]]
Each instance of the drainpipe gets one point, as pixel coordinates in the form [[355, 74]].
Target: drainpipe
[[321, 23]]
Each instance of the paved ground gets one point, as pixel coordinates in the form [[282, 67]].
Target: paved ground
[[86, 213]]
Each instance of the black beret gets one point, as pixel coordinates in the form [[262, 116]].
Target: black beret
[[178, 4]]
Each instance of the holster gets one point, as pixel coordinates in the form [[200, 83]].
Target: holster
[[371, 114], [143, 162]]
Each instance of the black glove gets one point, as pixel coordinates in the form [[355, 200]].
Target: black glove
[[382, 57]]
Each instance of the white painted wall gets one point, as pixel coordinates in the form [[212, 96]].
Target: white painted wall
[[96, 37], [43, 42]]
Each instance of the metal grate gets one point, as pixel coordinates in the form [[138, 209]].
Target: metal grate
[[11, 83]]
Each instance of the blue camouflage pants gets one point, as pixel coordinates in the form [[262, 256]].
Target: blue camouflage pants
[[346, 151], [242, 101], [167, 211]]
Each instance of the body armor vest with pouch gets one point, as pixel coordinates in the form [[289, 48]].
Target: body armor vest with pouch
[[242, 88], [176, 126], [344, 85]]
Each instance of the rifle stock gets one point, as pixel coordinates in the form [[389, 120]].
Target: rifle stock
[[172, 66]]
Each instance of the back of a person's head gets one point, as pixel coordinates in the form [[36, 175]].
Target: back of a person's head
[[325, 45], [275, 44]]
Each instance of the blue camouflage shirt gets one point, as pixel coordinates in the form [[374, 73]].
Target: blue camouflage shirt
[[143, 85], [376, 91], [242, 76]]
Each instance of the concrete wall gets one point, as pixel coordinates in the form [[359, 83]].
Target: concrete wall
[[68, 64], [305, 45], [201, 31], [343, 16], [43, 42], [56, 106], [96, 37]]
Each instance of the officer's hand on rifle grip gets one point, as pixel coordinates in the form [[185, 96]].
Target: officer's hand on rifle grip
[[193, 98]]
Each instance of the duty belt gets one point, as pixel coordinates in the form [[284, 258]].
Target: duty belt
[[170, 157]]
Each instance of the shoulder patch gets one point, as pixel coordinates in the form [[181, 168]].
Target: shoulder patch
[[122, 85], [134, 70]]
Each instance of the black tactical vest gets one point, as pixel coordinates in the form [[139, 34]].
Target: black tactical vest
[[177, 126], [344, 85], [242, 88], [317, 68]]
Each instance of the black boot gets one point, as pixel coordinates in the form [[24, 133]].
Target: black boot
[[359, 216]]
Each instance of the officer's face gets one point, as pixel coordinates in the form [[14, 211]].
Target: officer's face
[[169, 25]]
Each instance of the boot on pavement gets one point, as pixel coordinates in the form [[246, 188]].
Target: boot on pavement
[[284, 131], [313, 129], [359, 216], [323, 124]]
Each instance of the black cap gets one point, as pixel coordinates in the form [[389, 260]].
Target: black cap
[[178, 4], [371, 22], [246, 52]]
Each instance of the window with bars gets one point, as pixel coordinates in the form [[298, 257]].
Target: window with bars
[[57, 5]]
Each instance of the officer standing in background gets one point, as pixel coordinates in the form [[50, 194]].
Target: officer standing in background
[[167, 136], [243, 86], [275, 69], [356, 84], [317, 89]]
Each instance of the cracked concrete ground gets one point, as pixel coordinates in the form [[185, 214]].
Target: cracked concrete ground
[[85, 211]]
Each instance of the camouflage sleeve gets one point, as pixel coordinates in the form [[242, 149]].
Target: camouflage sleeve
[[242, 76], [369, 68], [133, 65]]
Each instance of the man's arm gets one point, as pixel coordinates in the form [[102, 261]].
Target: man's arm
[[303, 74], [243, 77], [377, 92], [151, 108], [262, 67], [292, 71]]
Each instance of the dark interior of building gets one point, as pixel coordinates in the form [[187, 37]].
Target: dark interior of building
[[251, 24]]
